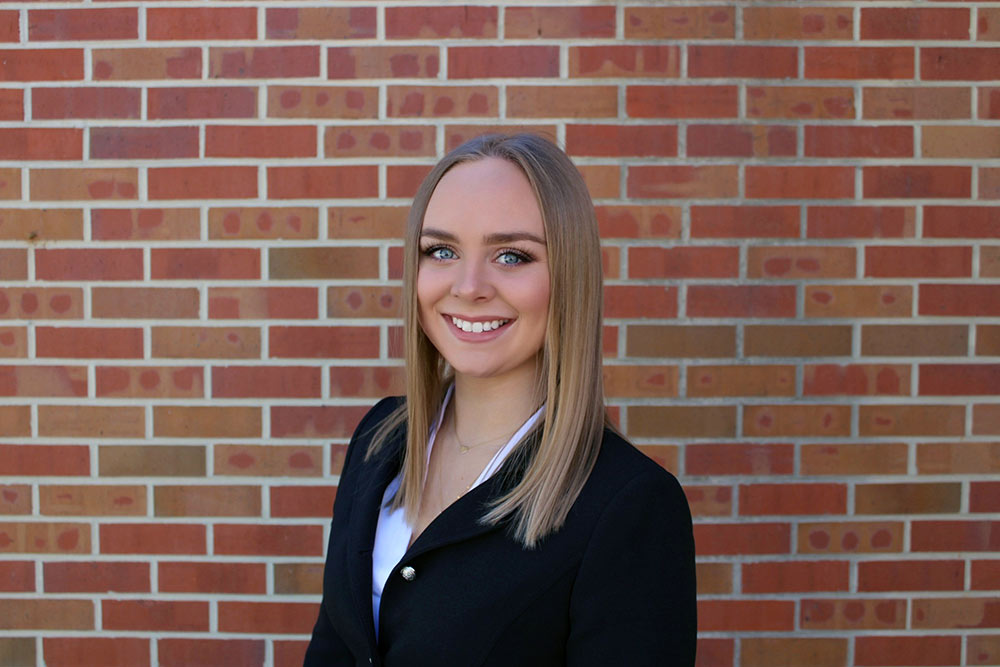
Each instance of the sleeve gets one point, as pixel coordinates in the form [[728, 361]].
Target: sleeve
[[633, 602]]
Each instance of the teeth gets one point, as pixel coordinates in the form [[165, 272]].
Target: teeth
[[478, 327]]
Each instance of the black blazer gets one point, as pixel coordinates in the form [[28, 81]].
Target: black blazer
[[614, 586]]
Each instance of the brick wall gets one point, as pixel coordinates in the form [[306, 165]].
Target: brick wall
[[200, 251]]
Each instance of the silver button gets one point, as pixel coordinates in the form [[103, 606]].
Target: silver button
[[408, 573]]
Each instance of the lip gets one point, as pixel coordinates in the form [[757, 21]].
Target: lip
[[470, 337]]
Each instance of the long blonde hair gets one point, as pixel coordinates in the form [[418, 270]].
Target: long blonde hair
[[567, 441]]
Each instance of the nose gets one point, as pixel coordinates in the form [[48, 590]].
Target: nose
[[472, 281]]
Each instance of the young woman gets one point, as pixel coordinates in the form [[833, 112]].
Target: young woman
[[492, 516]]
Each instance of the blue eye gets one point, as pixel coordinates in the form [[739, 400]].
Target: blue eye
[[513, 258], [440, 252]]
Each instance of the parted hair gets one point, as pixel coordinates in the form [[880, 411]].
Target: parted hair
[[558, 455]]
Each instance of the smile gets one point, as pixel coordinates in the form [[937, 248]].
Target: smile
[[477, 327]]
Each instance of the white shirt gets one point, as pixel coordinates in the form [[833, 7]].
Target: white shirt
[[392, 535]]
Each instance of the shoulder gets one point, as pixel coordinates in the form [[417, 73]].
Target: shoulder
[[369, 426]]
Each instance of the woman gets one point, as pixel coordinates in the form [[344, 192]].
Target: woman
[[493, 517]]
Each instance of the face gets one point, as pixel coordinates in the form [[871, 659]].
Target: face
[[483, 277]]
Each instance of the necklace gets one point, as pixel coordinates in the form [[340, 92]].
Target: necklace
[[464, 448]]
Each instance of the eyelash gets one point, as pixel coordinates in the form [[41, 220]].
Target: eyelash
[[522, 256]]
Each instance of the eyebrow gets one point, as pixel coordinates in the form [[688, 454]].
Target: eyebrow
[[498, 238]]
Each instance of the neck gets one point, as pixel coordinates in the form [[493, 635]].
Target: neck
[[491, 407]]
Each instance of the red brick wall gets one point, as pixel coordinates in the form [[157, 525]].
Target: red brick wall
[[200, 214]]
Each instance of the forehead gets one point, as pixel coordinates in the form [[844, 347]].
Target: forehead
[[490, 193]]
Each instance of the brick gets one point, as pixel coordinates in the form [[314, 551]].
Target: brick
[[15, 421], [797, 341], [985, 420], [738, 459], [617, 140], [714, 578], [96, 577], [602, 181], [457, 101], [216, 182], [302, 501], [89, 184], [796, 420], [715, 651], [14, 499], [799, 182], [155, 615], [200, 577], [144, 302], [13, 342], [266, 382], [744, 221], [158, 538], [988, 340], [680, 102], [736, 615], [989, 102], [683, 341], [742, 538], [119, 224], [970, 457], [204, 263], [873, 62], [853, 614], [456, 134], [757, 380], [41, 143], [147, 63], [289, 653], [320, 23], [43, 381], [12, 104], [47, 460], [109, 651], [835, 222], [639, 381], [680, 22], [989, 262], [10, 26], [914, 340], [363, 301], [177, 421], [271, 540], [479, 62], [180, 652], [965, 142], [856, 380], [781, 499], [955, 613], [212, 102], [814, 651], [959, 300], [918, 262], [640, 301], [76, 421], [47, 614], [854, 459], [631, 221], [955, 536], [298, 578], [910, 650], [959, 64], [151, 461], [324, 421], [201, 23], [740, 141], [206, 342], [17, 577], [268, 460], [886, 23], [896, 103], [907, 498], [200, 500], [851, 537], [41, 303], [883, 141], [800, 102], [858, 301], [792, 577], [433, 23], [804, 23], [911, 575], [741, 301], [321, 102], [267, 617], [379, 140], [43, 538], [89, 264], [263, 223], [105, 500], [285, 141], [264, 62], [150, 382], [911, 420], [987, 24], [41, 224], [558, 22], [322, 182], [41, 64], [624, 61], [801, 262], [81, 103], [989, 183], [561, 101], [984, 574], [51, 25], [959, 379], [683, 181], [383, 62], [322, 263], [687, 262], [404, 181], [262, 302], [758, 62], [681, 421]]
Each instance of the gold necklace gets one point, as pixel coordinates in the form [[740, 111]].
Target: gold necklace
[[464, 448]]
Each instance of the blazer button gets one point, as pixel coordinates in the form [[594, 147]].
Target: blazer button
[[408, 573]]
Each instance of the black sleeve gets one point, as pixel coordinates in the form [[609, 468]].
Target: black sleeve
[[633, 601]]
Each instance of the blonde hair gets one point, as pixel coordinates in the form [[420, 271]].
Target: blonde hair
[[565, 444]]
